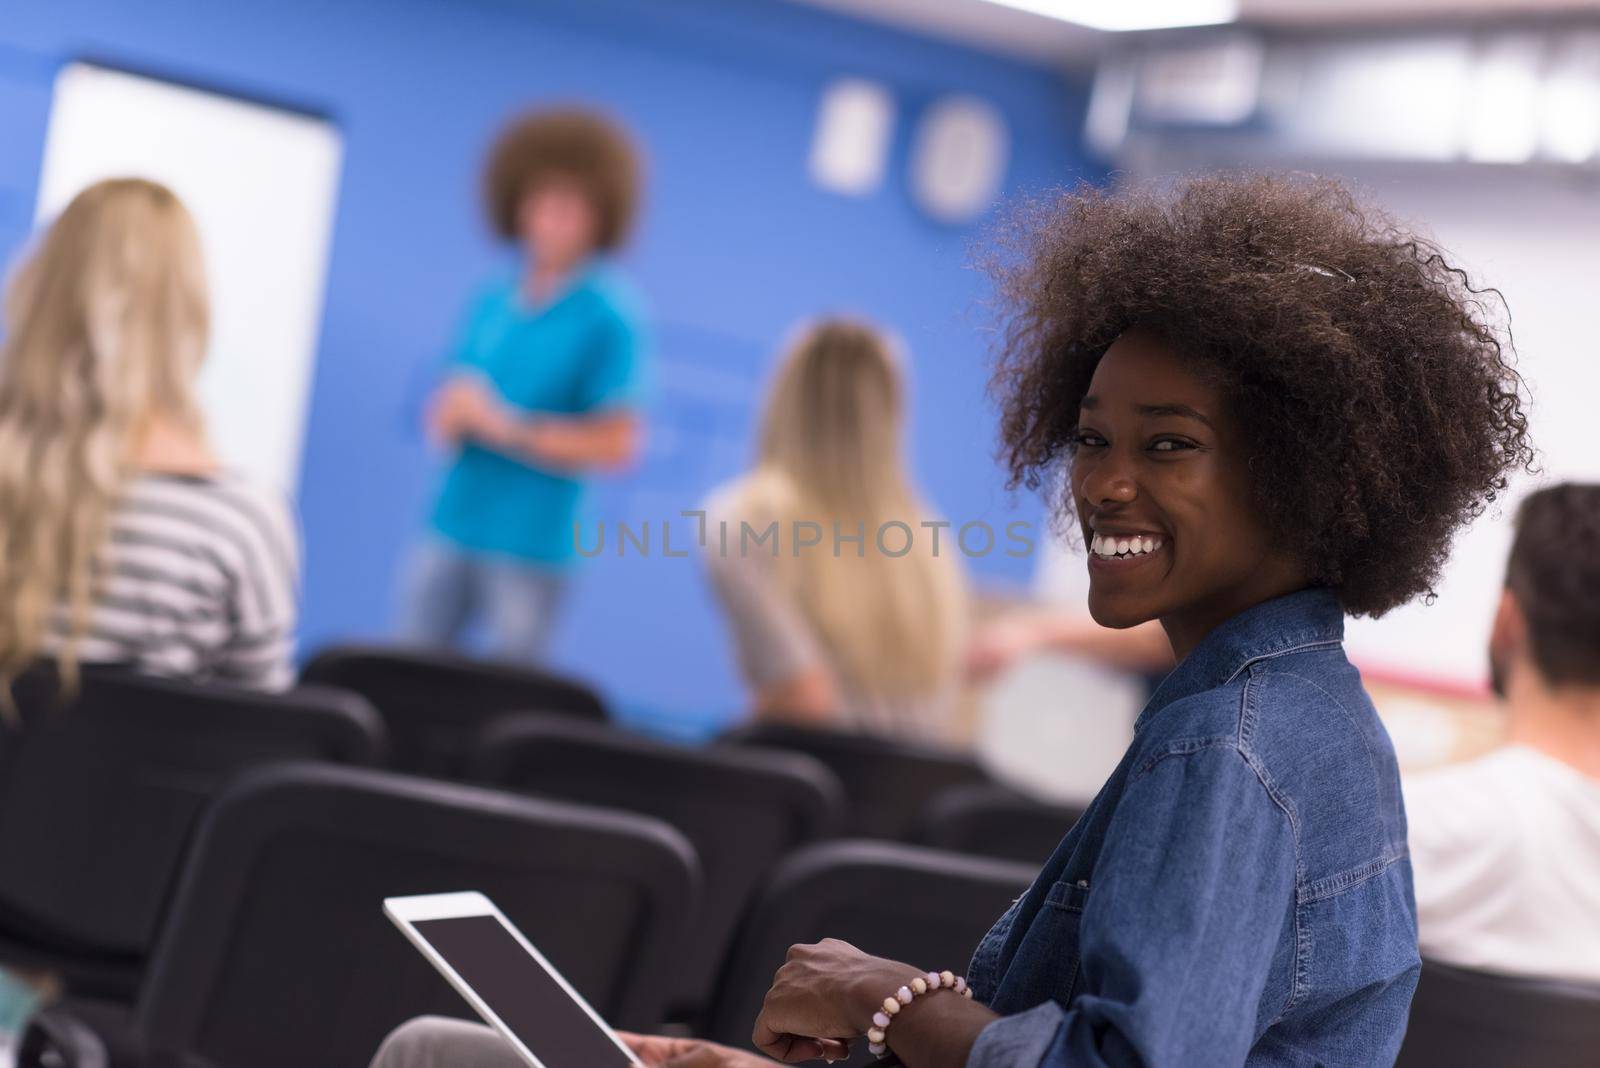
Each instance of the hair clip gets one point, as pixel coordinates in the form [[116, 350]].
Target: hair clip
[[1325, 271]]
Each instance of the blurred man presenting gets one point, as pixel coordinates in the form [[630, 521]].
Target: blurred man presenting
[[542, 392]]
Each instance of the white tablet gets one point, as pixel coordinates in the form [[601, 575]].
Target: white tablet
[[507, 981]]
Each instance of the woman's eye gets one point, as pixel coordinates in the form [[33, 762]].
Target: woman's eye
[[1087, 439], [1169, 445]]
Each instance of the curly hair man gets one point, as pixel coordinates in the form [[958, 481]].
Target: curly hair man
[[542, 390]]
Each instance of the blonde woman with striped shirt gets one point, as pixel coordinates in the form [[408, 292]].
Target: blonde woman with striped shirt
[[122, 539]]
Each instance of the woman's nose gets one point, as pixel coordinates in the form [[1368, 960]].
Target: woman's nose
[[1109, 482]]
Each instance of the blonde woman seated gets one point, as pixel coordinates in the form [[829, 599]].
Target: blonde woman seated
[[842, 610], [122, 540]]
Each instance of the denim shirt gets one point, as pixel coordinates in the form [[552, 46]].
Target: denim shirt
[[1239, 891]]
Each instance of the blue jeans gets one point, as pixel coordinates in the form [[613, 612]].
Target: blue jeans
[[447, 590]]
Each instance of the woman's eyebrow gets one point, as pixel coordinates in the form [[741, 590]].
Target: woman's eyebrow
[[1183, 411]]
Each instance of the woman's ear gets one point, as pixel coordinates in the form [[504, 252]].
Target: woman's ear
[[1508, 638]]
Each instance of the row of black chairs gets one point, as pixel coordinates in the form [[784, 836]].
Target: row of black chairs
[[437, 705], [943, 800], [274, 950], [447, 716], [434, 702], [98, 801], [125, 773], [790, 800]]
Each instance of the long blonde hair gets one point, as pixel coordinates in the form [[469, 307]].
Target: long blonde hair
[[107, 323], [830, 451]]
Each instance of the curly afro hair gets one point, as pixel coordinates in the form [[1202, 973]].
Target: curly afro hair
[[570, 143], [1375, 389]]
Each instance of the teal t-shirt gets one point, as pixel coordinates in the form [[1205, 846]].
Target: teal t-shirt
[[581, 353]]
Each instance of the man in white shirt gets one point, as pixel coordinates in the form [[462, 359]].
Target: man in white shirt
[[1506, 849]]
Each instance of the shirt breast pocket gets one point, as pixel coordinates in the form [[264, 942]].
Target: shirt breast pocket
[[1050, 955]]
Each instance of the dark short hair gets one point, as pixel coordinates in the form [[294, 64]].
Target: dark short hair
[[1374, 388], [1554, 574], [573, 144]]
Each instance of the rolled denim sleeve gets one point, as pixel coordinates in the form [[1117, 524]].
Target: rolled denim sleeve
[[1189, 903]]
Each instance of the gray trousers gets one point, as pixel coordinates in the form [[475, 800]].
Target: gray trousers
[[440, 1042]]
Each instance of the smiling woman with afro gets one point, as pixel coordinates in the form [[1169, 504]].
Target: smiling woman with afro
[[1383, 409], [1274, 408]]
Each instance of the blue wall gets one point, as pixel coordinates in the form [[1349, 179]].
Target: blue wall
[[736, 245]]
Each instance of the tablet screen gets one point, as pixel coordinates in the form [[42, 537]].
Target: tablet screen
[[522, 993]]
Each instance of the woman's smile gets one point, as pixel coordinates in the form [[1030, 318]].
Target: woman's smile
[[1122, 552], [1125, 549]]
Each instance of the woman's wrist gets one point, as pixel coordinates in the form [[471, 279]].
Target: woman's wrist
[[901, 1011], [869, 989], [938, 1031]]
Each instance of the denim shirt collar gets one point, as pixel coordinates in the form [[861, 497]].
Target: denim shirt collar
[[1285, 624]]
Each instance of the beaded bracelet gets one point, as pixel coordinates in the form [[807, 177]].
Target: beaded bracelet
[[877, 1034]]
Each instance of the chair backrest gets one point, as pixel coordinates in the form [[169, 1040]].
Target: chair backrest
[[103, 791], [435, 702], [1462, 1017], [743, 810], [920, 906], [994, 821], [57, 1038], [888, 782], [276, 950]]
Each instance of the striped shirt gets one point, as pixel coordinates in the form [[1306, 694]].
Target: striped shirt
[[198, 580]]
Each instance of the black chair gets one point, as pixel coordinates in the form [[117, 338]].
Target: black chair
[[889, 783], [57, 1039], [436, 702], [993, 821], [917, 905], [743, 810], [276, 950], [102, 792], [1462, 1017]]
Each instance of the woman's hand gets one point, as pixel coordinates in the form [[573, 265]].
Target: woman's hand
[[823, 998], [658, 1052]]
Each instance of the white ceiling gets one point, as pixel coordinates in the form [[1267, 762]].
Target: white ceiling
[[1011, 32]]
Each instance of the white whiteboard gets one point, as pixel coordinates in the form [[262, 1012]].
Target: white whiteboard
[[262, 184]]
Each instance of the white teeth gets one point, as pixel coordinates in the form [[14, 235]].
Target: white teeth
[[1108, 546]]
